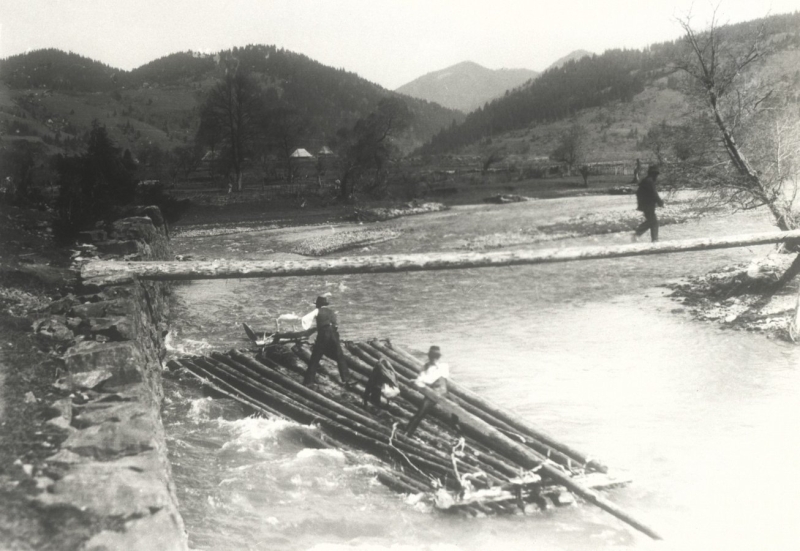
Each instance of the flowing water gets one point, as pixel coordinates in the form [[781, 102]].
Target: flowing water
[[593, 352]]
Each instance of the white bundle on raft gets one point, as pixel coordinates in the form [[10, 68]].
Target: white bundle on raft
[[308, 320]]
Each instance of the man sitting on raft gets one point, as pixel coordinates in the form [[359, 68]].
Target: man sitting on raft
[[434, 375], [327, 343]]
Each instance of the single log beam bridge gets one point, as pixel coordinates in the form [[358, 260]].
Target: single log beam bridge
[[109, 272]]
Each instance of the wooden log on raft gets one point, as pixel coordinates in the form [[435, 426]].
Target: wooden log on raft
[[346, 416], [102, 272], [396, 480], [398, 484], [530, 459], [496, 469], [307, 411], [488, 414], [476, 455], [231, 371], [410, 393], [210, 378], [503, 415], [228, 391]]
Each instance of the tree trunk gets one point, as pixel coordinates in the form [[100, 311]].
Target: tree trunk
[[745, 169], [106, 272]]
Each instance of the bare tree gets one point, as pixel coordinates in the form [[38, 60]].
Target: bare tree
[[495, 156], [741, 147], [585, 172], [182, 161], [571, 147], [287, 127], [746, 149], [238, 106], [369, 146], [209, 134]]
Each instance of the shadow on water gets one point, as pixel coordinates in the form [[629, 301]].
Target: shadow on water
[[592, 352]]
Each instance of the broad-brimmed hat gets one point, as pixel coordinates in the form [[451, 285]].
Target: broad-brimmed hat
[[321, 301], [435, 350]]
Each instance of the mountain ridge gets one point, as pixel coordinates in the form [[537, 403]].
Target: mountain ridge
[[599, 82], [466, 85], [53, 96], [574, 55]]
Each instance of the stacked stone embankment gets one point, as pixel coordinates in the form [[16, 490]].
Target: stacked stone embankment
[[113, 465]]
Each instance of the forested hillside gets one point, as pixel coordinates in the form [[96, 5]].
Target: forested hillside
[[52, 96], [591, 82], [59, 71]]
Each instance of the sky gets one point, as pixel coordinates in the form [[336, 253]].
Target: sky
[[390, 42]]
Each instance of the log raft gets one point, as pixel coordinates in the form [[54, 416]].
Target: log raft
[[494, 463], [103, 272]]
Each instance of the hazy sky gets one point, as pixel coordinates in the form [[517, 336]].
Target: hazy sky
[[386, 41]]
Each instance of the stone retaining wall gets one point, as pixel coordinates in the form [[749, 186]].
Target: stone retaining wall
[[113, 465]]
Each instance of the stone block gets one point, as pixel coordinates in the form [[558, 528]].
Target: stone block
[[60, 409], [110, 440], [116, 328], [60, 423], [115, 307], [74, 324], [66, 457], [117, 291], [111, 488], [62, 305], [123, 359], [123, 393], [88, 380], [53, 329], [96, 413], [162, 530], [135, 227], [154, 214], [89, 310], [119, 307]]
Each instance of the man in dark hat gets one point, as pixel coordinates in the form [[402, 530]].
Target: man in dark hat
[[434, 375], [327, 343], [647, 199]]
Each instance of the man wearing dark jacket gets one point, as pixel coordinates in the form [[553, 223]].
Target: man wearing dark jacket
[[647, 199], [327, 343], [382, 380]]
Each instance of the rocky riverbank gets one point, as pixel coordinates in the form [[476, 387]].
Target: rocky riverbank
[[379, 214], [743, 297], [83, 463]]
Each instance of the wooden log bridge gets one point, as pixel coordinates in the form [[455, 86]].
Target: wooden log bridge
[[109, 272], [490, 462]]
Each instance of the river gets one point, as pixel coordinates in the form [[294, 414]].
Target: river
[[593, 352]]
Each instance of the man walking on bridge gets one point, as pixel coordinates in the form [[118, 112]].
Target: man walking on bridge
[[647, 199]]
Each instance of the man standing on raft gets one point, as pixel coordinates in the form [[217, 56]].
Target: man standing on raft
[[327, 343]]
